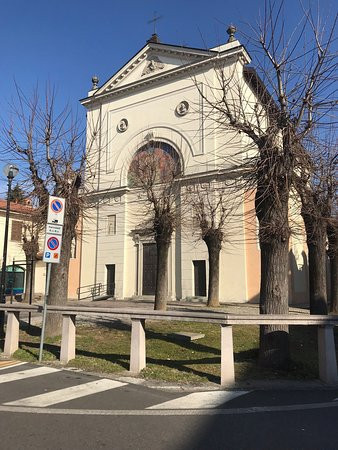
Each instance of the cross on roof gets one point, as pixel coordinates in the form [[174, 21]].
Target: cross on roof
[[154, 20]]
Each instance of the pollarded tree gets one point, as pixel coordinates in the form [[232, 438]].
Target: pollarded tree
[[17, 195], [317, 187], [30, 244], [212, 207], [332, 252], [31, 229], [155, 171], [272, 109], [49, 148]]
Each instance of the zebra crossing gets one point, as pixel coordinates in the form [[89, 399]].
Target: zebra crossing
[[66, 394], [200, 400], [5, 364], [16, 376], [27, 386], [32, 389]]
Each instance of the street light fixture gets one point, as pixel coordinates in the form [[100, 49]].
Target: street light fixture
[[10, 171]]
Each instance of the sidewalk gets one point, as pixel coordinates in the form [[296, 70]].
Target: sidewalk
[[230, 308]]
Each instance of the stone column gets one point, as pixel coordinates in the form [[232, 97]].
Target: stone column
[[68, 338], [137, 346], [227, 356], [327, 355], [12, 333]]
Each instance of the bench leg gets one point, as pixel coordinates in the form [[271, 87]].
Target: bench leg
[[68, 339], [227, 356], [327, 355], [137, 346], [12, 333]]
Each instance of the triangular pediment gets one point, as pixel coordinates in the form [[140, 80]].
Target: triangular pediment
[[151, 60]]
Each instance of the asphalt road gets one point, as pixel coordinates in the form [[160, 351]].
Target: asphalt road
[[48, 408]]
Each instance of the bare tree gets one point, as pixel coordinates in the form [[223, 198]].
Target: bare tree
[[275, 107], [317, 188], [331, 185], [333, 257], [17, 195], [30, 244], [212, 208], [31, 228], [332, 231], [155, 171], [49, 147]]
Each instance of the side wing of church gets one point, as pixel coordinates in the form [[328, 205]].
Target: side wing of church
[[159, 96]]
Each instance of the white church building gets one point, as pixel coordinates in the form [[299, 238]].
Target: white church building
[[156, 96]]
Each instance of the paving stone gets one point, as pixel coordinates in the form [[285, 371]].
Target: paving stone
[[186, 336]]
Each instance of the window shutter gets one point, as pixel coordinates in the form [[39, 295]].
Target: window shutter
[[16, 233]]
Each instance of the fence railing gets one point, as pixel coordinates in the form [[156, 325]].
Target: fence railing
[[325, 327], [95, 290]]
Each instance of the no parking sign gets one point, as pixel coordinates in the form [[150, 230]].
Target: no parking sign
[[52, 249], [51, 252], [53, 237], [56, 210]]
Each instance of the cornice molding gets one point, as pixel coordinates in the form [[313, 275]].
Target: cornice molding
[[159, 77], [186, 178]]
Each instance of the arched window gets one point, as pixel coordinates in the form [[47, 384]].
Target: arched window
[[156, 161]]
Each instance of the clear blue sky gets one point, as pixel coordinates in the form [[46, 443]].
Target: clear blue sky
[[65, 42]]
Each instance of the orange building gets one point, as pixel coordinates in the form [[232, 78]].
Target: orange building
[[19, 218]]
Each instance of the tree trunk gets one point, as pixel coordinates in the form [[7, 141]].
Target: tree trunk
[[214, 247], [161, 291], [58, 288], [334, 284], [274, 339], [271, 203], [316, 243], [332, 253], [30, 279]]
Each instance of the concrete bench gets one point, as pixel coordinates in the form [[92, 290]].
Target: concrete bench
[[325, 325]]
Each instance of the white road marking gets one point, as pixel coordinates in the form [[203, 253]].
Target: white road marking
[[15, 376], [200, 400], [174, 412], [14, 364], [64, 395]]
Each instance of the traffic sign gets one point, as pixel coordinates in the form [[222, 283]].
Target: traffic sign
[[56, 210], [54, 229], [53, 243], [56, 205], [52, 248]]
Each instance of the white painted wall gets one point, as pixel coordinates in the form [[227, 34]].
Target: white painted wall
[[151, 109]]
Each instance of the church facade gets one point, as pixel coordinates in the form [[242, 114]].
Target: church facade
[[158, 96]]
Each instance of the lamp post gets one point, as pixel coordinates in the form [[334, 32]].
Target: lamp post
[[10, 171]]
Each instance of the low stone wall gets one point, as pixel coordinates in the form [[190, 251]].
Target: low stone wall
[[325, 325]]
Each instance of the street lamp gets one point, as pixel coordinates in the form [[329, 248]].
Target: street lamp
[[10, 171]]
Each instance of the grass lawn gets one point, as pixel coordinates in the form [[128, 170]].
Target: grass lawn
[[104, 348]]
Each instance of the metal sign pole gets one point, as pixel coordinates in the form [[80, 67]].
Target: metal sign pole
[[52, 249], [31, 291], [49, 266], [13, 281]]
